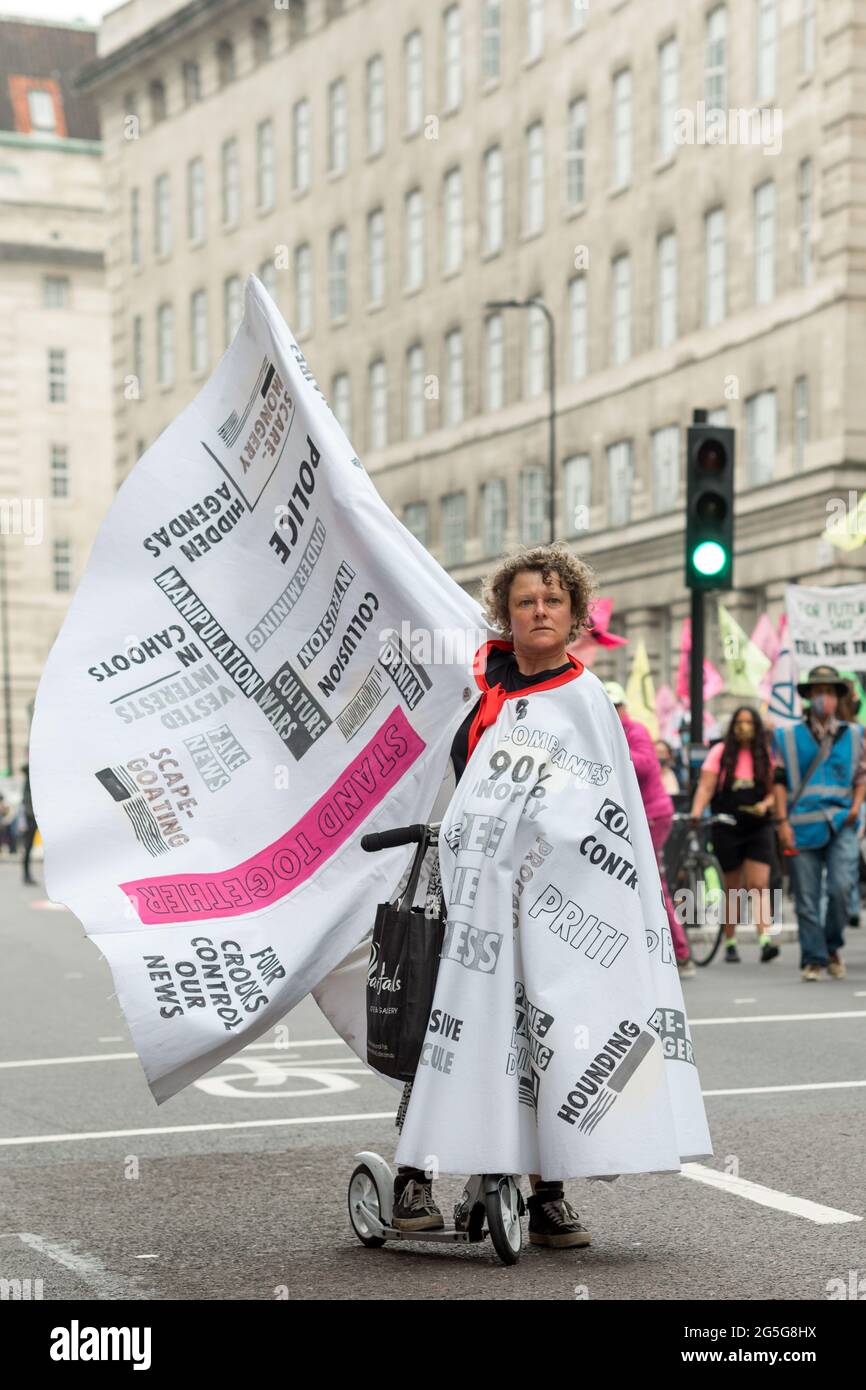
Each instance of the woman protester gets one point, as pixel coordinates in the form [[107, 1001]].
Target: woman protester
[[736, 780], [560, 1042]]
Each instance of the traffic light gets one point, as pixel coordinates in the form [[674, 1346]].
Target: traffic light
[[710, 508]]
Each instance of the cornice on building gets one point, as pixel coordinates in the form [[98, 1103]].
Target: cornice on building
[[60, 145], [24, 251], [100, 71]]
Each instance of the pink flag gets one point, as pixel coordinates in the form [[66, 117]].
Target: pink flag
[[713, 682], [666, 708], [586, 648], [770, 642]]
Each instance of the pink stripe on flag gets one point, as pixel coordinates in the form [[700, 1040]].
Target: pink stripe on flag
[[275, 871]]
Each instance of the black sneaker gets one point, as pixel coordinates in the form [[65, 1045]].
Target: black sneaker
[[552, 1221], [732, 955], [414, 1208], [769, 951]]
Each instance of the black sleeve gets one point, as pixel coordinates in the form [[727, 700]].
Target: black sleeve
[[780, 775]]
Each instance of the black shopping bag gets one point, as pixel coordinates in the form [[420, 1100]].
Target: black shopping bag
[[401, 979]]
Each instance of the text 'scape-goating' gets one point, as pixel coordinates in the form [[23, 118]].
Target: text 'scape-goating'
[[223, 713], [558, 1041]]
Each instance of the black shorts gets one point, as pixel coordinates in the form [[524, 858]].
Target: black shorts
[[735, 843]]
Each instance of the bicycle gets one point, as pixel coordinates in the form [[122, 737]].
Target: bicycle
[[492, 1204], [700, 874]]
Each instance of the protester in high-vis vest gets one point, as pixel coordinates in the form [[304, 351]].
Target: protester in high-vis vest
[[819, 788]]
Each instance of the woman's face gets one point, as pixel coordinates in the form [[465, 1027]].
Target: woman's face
[[663, 753], [540, 614], [744, 727]]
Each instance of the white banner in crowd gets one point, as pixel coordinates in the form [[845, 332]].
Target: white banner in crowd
[[827, 625], [244, 684]]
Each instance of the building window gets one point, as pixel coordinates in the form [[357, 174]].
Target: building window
[[338, 128], [338, 274], [494, 200], [261, 41], [413, 69], [534, 206], [55, 291], [376, 105], [414, 240], [494, 363], [267, 273], [669, 92], [622, 134], [415, 412], [59, 470], [376, 257], [378, 405], [534, 29], [231, 172], [576, 487], [666, 323], [165, 345], [452, 207], [134, 228], [162, 215], [198, 343], [138, 351], [767, 46], [621, 309], [575, 154], [620, 477], [714, 264], [454, 528], [533, 506], [226, 70], [577, 15], [577, 328], [807, 36], [42, 111], [665, 457], [804, 222], [303, 288], [494, 516], [536, 346], [341, 395], [233, 307], [57, 375], [715, 60], [191, 83], [195, 206], [765, 242], [156, 92], [452, 58], [416, 518], [491, 40], [801, 421], [265, 168], [454, 404], [760, 437], [301, 154], [61, 554]]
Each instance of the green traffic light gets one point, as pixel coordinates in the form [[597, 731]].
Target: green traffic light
[[709, 557]]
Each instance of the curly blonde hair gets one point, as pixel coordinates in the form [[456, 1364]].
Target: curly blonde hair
[[574, 576]]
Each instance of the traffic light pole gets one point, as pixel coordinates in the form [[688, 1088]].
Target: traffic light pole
[[696, 681]]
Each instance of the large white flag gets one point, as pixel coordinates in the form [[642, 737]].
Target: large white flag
[[246, 682]]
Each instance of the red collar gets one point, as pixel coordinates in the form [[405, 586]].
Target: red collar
[[493, 697]]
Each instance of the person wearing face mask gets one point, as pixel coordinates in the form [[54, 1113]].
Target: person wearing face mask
[[665, 755], [737, 780], [823, 771]]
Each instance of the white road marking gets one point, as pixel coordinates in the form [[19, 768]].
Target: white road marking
[[745, 1001], [767, 1196], [109, 1039], [133, 1056], [191, 1129], [767, 1090], [86, 1267], [779, 1018]]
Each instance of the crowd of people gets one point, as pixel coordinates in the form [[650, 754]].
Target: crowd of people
[[790, 797]]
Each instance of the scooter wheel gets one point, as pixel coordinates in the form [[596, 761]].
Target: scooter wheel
[[364, 1203], [503, 1220]]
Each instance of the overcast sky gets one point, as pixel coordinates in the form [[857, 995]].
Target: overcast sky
[[91, 11]]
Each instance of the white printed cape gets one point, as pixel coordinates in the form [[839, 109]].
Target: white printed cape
[[558, 1042]]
